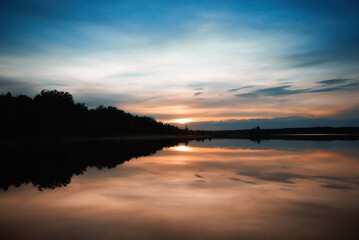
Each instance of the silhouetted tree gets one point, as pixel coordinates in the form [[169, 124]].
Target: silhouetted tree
[[54, 113]]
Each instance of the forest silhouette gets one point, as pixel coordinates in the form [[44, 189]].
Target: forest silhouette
[[54, 113]]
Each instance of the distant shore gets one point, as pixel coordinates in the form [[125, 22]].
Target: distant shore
[[313, 133], [256, 134]]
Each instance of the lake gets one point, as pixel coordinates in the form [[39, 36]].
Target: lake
[[218, 189]]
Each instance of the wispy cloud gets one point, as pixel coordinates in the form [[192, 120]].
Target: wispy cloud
[[274, 91], [334, 81], [286, 89], [347, 87], [236, 89]]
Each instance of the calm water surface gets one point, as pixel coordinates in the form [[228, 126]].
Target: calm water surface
[[220, 189]]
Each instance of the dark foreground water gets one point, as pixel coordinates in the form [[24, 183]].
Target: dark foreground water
[[220, 189]]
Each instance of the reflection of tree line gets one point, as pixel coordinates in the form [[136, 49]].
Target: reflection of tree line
[[258, 134], [51, 165], [54, 113]]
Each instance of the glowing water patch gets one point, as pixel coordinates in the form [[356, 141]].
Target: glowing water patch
[[181, 148]]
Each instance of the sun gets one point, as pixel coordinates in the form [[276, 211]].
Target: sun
[[182, 120]]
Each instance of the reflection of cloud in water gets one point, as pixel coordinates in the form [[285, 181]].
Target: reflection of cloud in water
[[118, 196], [239, 180], [343, 147], [286, 177], [336, 186], [278, 195], [286, 189], [201, 181]]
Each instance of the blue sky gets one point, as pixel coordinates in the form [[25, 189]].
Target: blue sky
[[195, 60]]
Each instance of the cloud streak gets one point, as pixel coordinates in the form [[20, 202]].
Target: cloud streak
[[274, 91], [286, 89], [237, 89], [334, 81]]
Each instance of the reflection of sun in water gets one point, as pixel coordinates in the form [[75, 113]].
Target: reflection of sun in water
[[182, 120], [181, 148]]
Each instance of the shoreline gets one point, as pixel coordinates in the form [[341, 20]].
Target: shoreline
[[214, 135]]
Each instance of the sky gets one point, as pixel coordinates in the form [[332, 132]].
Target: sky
[[194, 62]]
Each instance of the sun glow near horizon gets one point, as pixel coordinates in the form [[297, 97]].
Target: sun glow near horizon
[[182, 120]]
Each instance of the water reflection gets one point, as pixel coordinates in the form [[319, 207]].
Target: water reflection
[[181, 148], [52, 164], [200, 191]]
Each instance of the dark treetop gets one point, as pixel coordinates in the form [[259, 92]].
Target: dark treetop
[[54, 113]]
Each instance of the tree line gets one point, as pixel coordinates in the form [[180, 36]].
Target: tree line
[[54, 113]]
